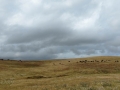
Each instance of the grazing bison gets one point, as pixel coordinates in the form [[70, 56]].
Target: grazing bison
[[116, 61], [20, 60], [102, 60], [85, 61], [96, 61], [81, 61]]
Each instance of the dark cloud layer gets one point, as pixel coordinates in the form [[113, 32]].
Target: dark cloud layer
[[49, 29]]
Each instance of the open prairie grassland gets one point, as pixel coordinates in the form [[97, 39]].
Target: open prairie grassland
[[93, 73]]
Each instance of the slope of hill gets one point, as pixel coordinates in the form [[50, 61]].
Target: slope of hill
[[90, 73]]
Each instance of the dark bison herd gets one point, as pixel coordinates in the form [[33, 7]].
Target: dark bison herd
[[90, 61], [4, 59], [81, 61], [10, 60], [85, 61]]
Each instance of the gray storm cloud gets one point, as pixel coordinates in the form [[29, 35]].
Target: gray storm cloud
[[49, 29]]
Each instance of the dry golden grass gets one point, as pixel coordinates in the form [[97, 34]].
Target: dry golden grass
[[68, 74]]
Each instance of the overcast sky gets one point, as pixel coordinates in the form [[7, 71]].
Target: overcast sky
[[52, 29]]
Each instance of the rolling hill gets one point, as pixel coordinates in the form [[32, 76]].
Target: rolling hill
[[91, 73]]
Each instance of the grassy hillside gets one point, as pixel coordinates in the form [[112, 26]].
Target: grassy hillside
[[93, 73]]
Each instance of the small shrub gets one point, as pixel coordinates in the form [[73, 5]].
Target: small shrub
[[106, 84], [92, 88], [85, 84]]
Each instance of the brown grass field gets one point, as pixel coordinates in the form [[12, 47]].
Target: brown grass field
[[93, 73]]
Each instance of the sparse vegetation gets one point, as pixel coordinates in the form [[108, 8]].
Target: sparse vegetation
[[69, 75]]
